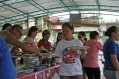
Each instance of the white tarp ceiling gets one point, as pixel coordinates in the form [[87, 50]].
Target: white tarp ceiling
[[16, 10]]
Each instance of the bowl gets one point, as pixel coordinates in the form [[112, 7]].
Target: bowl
[[39, 68]]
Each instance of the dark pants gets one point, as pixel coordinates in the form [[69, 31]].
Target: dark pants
[[92, 73], [84, 73], [110, 74]]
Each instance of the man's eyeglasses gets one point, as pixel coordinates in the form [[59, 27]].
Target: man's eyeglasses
[[79, 36], [19, 32]]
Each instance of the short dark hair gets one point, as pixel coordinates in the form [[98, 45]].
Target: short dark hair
[[93, 34], [60, 33], [6, 25], [32, 29], [45, 32], [110, 30], [82, 33], [16, 26], [71, 27]]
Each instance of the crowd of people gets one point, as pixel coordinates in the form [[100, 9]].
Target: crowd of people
[[76, 63], [9, 37]]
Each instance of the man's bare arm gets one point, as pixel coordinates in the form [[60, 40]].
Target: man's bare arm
[[12, 40]]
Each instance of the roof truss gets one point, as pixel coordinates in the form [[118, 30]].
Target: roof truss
[[42, 10]]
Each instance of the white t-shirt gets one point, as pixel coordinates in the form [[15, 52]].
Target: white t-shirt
[[71, 64]]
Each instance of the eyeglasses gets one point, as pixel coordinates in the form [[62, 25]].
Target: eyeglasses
[[79, 36], [19, 32]]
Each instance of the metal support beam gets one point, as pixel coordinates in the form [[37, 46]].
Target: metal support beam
[[10, 8], [56, 10], [15, 2], [27, 21], [17, 18], [13, 19], [32, 2], [2, 18], [98, 5], [35, 20], [6, 20], [63, 5], [23, 17], [75, 5]]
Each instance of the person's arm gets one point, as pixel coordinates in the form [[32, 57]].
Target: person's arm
[[54, 46], [83, 54], [114, 60], [58, 51], [100, 46], [51, 47], [12, 40], [83, 51]]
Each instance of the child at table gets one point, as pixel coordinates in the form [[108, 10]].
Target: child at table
[[71, 67]]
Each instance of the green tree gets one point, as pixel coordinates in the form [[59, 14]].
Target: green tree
[[75, 36]]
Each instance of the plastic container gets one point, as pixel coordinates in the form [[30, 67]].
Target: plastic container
[[30, 60]]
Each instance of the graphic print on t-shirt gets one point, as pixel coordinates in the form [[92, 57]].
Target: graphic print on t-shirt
[[69, 55]]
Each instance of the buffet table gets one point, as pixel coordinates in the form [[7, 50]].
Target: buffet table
[[49, 73]]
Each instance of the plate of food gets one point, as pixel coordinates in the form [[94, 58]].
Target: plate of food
[[44, 51], [78, 48], [49, 50]]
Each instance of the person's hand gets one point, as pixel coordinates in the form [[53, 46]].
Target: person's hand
[[83, 50], [41, 48], [102, 61], [40, 56], [83, 54]]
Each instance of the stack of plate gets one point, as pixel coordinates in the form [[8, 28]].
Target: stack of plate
[[19, 72], [39, 68]]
